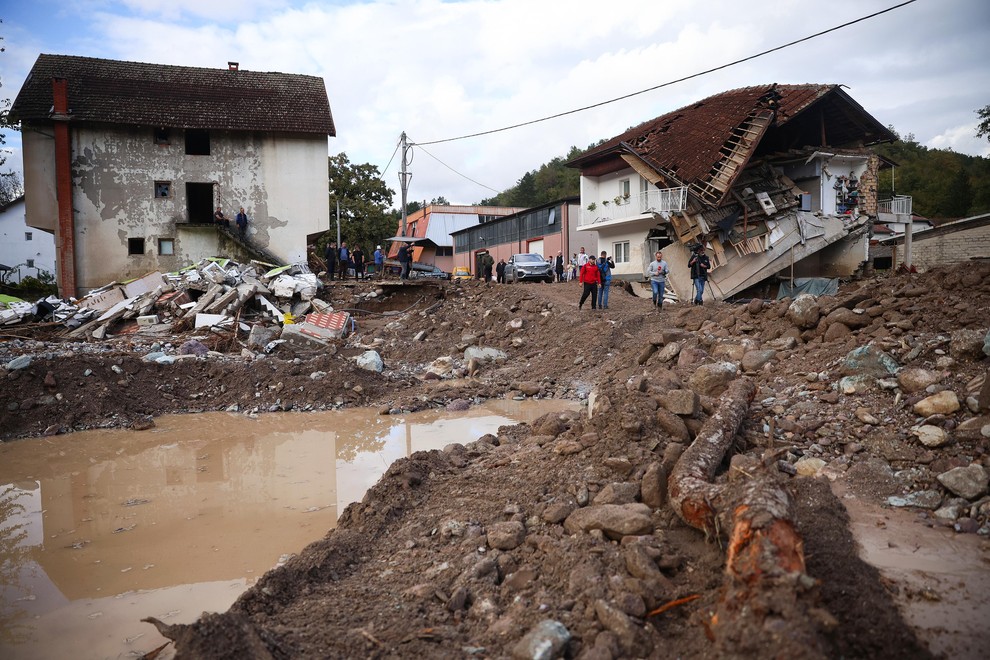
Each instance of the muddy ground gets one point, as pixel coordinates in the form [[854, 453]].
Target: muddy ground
[[482, 550]]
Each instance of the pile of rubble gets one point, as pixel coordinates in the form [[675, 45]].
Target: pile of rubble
[[274, 304]]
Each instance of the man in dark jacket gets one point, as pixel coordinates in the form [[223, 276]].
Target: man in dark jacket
[[330, 256], [404, 259], [500, 271], [558, 266], [699, 265]]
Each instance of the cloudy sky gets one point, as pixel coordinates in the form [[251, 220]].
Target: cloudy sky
[[443, 69]]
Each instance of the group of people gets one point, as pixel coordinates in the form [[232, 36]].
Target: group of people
[[596, 277], [342, 259], [240, 220]]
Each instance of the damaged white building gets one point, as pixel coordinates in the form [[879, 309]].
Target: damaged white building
[[773, 179], [126, 162]]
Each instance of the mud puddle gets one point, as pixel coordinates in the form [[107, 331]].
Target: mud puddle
[[940, 580], [99, 529]]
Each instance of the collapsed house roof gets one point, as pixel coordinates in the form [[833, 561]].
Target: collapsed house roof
[[706, 145], [159, 95]]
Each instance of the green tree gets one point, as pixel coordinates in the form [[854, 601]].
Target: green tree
[[943, 183], [364, 198], [550, 182], [983, 129]]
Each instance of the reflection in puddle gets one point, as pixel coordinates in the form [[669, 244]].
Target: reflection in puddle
[[99, 529], [942, 578]]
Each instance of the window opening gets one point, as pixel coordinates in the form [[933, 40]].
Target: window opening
[[163, 188], [197, 142], [135, 246], [161, 136], [166, 246]]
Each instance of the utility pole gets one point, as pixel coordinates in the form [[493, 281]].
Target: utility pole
[[404, 177], [338, 223]]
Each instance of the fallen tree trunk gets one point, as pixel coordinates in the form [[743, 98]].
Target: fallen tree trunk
[[690, 490], [767, 606]]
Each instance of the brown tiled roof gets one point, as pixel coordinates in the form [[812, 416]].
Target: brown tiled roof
[[133, 93], [688, 142]]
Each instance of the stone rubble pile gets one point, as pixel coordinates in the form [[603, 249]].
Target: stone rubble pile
[[215, 294]]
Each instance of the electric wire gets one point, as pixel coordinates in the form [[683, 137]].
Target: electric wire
[[394, 151], [678, 80], [455, 171]]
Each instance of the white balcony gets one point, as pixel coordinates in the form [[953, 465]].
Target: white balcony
[[635, 207], [899, 205]]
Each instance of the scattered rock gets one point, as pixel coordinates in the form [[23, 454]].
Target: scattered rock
[[942, 403], [969, 482]]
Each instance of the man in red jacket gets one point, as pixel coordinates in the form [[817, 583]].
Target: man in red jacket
[[591, 277]]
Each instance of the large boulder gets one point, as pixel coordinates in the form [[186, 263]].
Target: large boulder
[[804, 312], [868, 361], [615, 520], [712, 379]]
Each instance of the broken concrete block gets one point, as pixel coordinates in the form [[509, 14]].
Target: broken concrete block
[[103, 300], [260, 335], [144, 284], [331, 326], [269, 307], [209, 320], [296, 336], [150, 319]]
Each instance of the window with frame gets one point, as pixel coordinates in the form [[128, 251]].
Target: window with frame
[[445, 251], [197, 142], [30, 263], [163, 189], [166, 246], [135, 246], [28, 236], [620, 252], [624, 188]]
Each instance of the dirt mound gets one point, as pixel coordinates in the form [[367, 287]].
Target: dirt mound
[[566, 520]]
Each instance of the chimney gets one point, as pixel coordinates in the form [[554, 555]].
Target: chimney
[[232, 66]]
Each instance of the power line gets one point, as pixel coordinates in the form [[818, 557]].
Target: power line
[[453, 170], [394, 151], [678, 80]]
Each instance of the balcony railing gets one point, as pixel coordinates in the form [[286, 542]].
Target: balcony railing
[[900, 205], [667, 200]]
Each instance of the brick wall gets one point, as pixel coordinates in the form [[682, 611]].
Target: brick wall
[[949, 249]]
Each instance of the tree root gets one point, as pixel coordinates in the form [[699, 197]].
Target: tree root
[[767, 605]]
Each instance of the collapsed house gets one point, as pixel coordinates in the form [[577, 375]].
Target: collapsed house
[[769, 179]]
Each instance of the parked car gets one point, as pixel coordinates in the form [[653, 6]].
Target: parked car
[[435, 273], [521, 267], [461, 273]]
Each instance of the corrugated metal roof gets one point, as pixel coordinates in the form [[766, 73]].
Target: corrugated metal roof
[[135, 93], [441, 225]]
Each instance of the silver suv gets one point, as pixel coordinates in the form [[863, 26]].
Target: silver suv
[[528, 267]]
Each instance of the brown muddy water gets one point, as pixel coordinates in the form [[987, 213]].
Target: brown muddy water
[[100, 529], [940, 580]]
